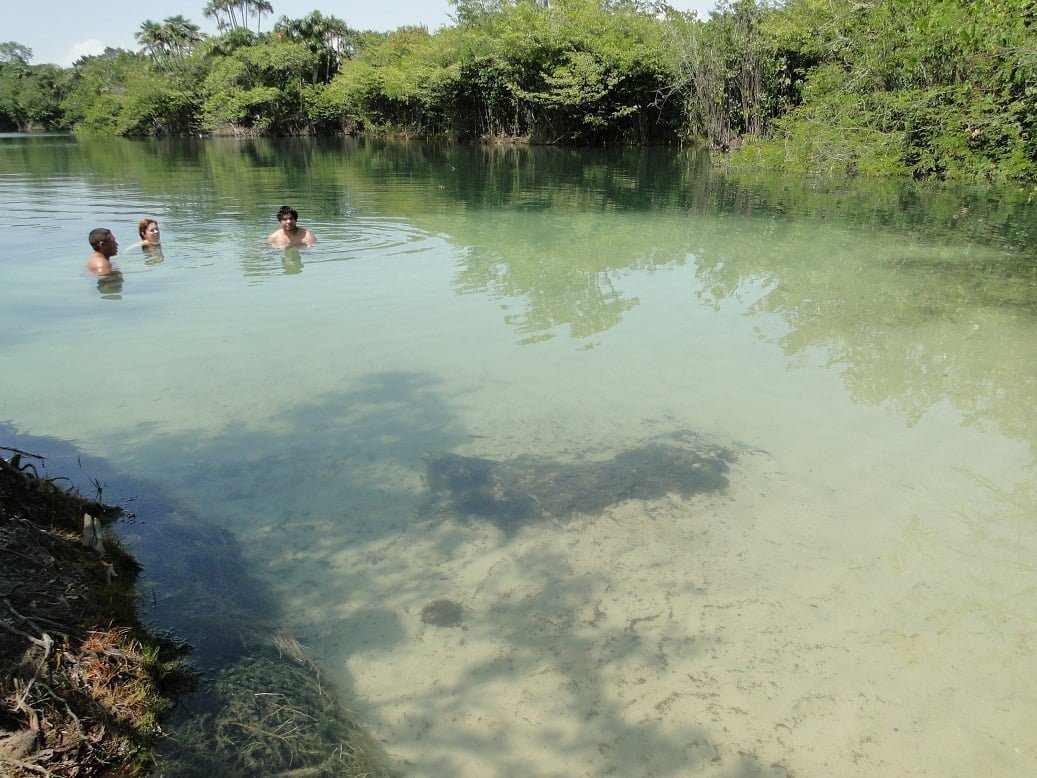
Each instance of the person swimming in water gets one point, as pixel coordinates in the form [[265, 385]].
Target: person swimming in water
[[149, 233], [105, 246], [150, 241], [290, 233]]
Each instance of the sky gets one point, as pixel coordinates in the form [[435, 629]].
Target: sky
[[62, 31]]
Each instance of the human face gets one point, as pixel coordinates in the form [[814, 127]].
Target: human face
[[288, 222], [110, 247], [151, 233]]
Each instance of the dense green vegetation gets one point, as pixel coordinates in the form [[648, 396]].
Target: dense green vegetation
[[928, 88]]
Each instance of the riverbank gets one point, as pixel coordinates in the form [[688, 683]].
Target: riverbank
[[87, 688], [82, 684]]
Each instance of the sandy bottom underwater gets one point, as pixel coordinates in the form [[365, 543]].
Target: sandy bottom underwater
[[777, 628]]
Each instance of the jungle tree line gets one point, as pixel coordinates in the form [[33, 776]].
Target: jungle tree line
[[930, 88]]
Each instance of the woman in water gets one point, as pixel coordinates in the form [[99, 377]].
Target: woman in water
[[150, 240], [149, 233]]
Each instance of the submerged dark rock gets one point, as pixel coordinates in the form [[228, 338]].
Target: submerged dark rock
[[509, 493], [443, 613]]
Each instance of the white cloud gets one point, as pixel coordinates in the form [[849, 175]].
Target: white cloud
[[87, 48]]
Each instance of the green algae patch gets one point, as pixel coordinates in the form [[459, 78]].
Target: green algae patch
[[270, 713]]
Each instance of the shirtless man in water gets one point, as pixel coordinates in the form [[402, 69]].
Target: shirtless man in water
[[290, 233], [105, 247]]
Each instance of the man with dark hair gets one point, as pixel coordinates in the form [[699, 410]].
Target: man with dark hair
[[105, 247], [290, 233]]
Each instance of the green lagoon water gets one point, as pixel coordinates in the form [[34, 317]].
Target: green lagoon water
[[861, 599]]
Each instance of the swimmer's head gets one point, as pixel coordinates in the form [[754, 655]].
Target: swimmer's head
[[101, 239], [148, 230]]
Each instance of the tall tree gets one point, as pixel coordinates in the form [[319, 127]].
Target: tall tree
[[727, 72], [259, 9], [221, 12], [469, 13], [152, 38], [258, 89], [12, 53], [30, 95], [169, 43], [183, 34], [328, 37]]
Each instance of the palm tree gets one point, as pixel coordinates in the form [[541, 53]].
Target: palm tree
[[182, 34], [152, 38], [234, 14], [259, 8], [221, 11], [326, 36], [15, 53], [169, 43]]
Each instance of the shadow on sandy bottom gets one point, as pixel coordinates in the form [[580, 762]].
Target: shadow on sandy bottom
[[512, 493]]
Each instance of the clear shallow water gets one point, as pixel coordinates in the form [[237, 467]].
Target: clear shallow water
[[859, 601]]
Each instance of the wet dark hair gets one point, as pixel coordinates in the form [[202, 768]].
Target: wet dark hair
[[287, 210], [99, 236]]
